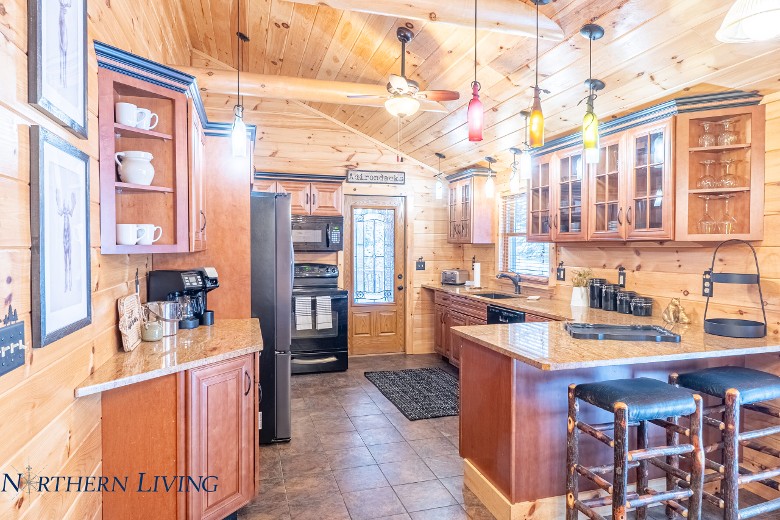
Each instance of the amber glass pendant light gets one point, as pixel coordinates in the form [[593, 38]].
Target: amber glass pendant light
[[590, 123], [476, 113], [536, 119]]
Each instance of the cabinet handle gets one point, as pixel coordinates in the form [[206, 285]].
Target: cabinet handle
[[307, 199], [203, 227], [248, 383], [628, 215], [620, 216], [313, 199], [555, 221]]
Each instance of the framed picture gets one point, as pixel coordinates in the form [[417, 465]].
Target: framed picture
[[57, 61], [59, 207]]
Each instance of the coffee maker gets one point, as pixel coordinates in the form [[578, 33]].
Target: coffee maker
[[189, 289]]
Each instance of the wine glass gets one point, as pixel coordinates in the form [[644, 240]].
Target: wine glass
[[707, 224], [707, 139], [727, 222], [706, 181], [728, 136], [728, 179]]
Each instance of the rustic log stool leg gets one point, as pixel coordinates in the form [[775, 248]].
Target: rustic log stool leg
[[738, 388], [672, 439], [635, 402]]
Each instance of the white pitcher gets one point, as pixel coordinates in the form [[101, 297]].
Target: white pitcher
[[135, 167]]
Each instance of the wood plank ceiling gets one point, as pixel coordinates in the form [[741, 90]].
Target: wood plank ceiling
[[651, 50]]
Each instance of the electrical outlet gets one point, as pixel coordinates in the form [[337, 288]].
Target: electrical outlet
[[622, 276], [420, 265], [706, 284], [560, 273]]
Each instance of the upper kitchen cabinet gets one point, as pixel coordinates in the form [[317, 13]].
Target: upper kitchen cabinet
[[541, 200], [606, 215], [471, 213], [197, 145], [720, 174], [569, 191], [322, 197]]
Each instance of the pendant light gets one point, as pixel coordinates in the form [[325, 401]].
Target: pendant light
[[490, 183], [238, 132], [590, 123], [536, 127], [476, 114], [525, 152], [514, 180], [439, 182], [751, 21]]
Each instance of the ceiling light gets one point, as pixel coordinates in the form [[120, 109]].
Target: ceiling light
[[476, 114], [590, 123], [514, 179], [490, 184], [751, 21], [402, 106]]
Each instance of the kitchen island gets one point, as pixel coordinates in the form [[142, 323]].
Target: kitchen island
[[514, 381]]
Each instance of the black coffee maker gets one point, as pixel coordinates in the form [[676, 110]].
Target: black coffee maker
[[189, 288]]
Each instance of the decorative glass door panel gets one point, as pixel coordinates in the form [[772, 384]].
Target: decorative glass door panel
[[465, 210], [568, 220], [539, 211], [454, 205], [374, 255], [650, 183], [607, 185]]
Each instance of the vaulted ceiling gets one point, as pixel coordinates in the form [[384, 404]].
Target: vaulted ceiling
[[651, 50]]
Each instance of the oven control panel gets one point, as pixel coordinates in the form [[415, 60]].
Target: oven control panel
[[316, 271]]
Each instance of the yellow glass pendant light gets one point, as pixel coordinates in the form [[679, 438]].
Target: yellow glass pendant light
[[590, 123]]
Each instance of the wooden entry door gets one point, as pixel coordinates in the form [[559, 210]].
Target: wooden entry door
[[375, 268]]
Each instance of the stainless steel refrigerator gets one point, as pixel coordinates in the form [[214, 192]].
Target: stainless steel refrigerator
[[272, 272]]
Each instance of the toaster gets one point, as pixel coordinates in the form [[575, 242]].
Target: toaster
[[454, 276]]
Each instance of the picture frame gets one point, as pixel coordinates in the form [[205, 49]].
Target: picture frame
[[57, 61], [60, 232]]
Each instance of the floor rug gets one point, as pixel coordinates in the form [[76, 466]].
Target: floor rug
[[419, 393]]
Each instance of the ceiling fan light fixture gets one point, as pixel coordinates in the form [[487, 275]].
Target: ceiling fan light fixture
[[475, 115], [750, 21], [402, 106]]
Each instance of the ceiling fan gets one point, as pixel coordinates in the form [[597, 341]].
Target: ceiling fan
[[405, 94]]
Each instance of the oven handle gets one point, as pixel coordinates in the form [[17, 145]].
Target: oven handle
[[329, 359]]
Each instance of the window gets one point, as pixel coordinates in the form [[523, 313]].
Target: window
[[514, 252]]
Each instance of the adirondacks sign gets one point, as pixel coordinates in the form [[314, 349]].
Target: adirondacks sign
[[375, 177]]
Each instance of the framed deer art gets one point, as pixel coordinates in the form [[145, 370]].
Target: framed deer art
[[61, 275]]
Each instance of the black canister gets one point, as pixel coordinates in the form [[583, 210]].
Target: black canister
[[595, 285], [624, 301], [609, 297], [642, 306]]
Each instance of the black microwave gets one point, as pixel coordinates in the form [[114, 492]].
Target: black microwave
[[317, 234]]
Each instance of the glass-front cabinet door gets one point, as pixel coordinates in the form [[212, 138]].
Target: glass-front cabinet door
[[607, 187], [568, 220], [540, 207], [650, 191], [454, 211], [466, 194]]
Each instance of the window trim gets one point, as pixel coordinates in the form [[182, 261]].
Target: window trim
[[542, 281]]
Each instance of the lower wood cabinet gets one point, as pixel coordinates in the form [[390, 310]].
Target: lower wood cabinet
[[454, 311], [194, 426], [456, 320]]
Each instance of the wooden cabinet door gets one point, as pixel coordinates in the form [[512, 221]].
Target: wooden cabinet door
[[264, 185], [300, 193], [438, 329], [569, 188], [327, 199], [650, 213], [453, 234], [198, 219], [221, 418], [540, 203], [466, 194], [456, 320], [607, 194]]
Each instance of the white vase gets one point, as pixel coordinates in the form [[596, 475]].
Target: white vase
[[579, 297], [135, 167]]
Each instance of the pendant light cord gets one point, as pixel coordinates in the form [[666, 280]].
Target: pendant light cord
[[475, 41], [590, 66], [537, 45], [238, 50]]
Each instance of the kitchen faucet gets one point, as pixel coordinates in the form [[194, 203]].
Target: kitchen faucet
[[515, 278]]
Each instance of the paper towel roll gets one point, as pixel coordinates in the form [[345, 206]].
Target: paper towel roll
[[477, 273]]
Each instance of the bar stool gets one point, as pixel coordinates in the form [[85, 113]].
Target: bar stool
[[738, 388], [635, 402]]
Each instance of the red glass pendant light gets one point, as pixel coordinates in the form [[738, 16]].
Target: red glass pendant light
[[476, 114]]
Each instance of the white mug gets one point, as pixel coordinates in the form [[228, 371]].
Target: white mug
[[129, 234], [151, 234], [145, 117], [127, 114]]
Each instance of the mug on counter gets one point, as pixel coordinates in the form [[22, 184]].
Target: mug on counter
[[151, 235], [129, 234]]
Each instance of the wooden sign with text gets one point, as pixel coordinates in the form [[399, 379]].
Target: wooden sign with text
[[375, 177]]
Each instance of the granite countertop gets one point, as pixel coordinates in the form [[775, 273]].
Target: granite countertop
[[226, 339]]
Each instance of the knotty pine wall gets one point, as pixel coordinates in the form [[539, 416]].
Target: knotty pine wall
[[43, 424]]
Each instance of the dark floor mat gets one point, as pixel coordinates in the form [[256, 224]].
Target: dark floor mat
[[419, 393]]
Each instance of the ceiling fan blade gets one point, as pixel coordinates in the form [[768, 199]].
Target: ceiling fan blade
[[439, 95], [504, 16], [399, 83], [358, 96]]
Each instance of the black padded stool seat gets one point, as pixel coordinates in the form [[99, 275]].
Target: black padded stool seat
[[646, 398], [754, 386]]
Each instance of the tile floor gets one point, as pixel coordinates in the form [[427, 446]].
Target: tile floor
[[353, 455]]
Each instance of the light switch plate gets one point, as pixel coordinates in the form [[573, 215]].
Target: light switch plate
[[421, 265]]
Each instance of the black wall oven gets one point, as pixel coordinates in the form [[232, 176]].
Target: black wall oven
[[319, 320]]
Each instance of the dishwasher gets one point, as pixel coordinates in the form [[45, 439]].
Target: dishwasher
[[502, 315]]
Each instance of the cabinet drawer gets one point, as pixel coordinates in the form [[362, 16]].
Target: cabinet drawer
[[534, 317], [469, 307], [442, 298]]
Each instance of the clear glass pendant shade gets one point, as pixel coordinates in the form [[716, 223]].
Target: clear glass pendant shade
[[238, 133]]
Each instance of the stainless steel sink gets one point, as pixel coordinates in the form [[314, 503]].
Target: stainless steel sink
[[495, 296]]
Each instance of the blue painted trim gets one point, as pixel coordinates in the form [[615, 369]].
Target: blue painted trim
[[138, 67], [306, 177], [474, 171]]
